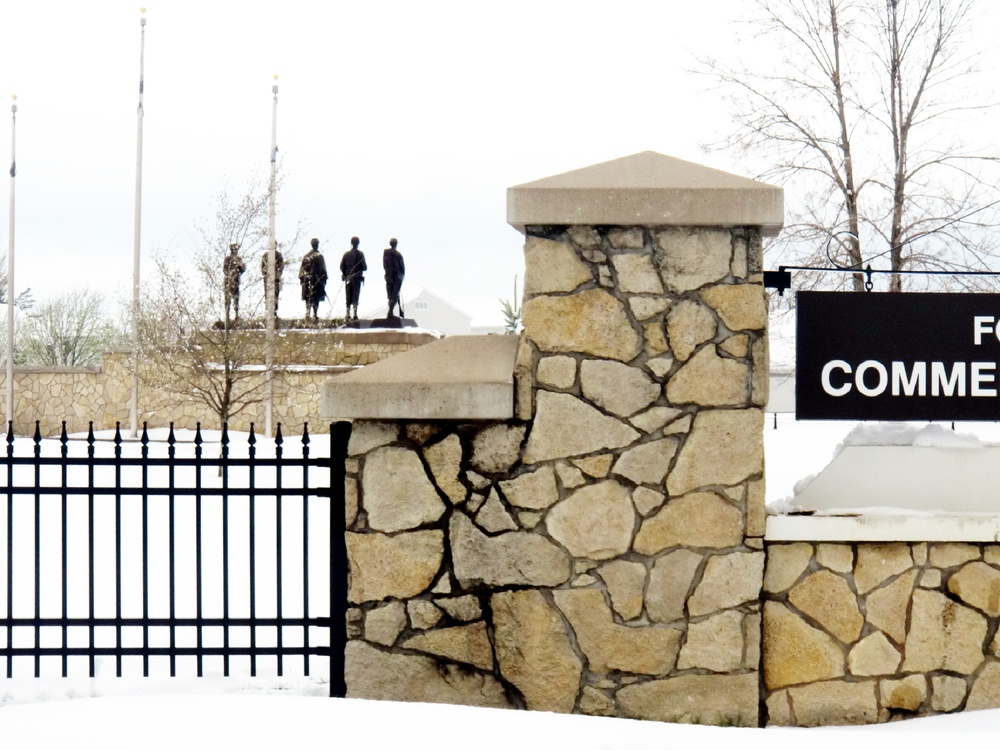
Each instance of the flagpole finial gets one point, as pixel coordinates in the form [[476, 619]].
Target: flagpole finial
[[274, 88], [142, 20]]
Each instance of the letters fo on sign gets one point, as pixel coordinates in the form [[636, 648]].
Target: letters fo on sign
[[897, 356]]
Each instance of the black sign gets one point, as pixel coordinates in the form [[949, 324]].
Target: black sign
[[895, 357]]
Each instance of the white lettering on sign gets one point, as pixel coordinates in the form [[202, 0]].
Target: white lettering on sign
[[982, 324], [947, 386], [872, 378], [914, 384], [980, 377], [828, 368]]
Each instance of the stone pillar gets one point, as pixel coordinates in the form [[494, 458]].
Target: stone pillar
[[585, 535], [645, 338]]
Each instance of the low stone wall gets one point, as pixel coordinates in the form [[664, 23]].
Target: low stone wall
[[102, 394], [867, 633]]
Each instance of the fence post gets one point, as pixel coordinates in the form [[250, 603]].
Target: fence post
[[340, 435]]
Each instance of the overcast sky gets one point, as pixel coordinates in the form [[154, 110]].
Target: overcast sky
[[395, 118]]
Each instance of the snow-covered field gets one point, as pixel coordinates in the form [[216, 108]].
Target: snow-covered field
[[269, 712]]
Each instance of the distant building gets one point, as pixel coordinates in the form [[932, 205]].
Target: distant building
[[435, 313]]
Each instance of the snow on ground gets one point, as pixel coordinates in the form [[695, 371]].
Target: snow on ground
[[192, 720]]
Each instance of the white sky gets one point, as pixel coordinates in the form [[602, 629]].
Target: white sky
[[394, 119]]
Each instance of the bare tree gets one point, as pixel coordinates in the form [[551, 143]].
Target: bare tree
[[188, 344], [71, 330], [862, 119]]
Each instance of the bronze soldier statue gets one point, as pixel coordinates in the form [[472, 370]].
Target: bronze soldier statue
[[232, 269], [279, 267], [312, 278], [352, 269], [392, 262]]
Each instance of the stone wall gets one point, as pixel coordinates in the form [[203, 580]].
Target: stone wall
[[603, 553], [866, 633], [102, 394]]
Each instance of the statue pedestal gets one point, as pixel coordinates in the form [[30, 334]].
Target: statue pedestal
[[391, 322]]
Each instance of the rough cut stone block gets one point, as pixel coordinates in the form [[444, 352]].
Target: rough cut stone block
[[834, 703], [636, 274], [836, 557], [569, 476], [445, 462], [591, 322], [725, 447], [689, 325], [715, 644], [465, 608], [707, 379], [552, 266], [595, 466], [728, 581], [646, 500], [565, 426], [517, 558], [978, 585], [826, 597], [534, 652], [630, 238], [721, 700], [399, 566], [366, 436], [795, 652], [608, 647], [907, 694], [384, 624], [378, 675], [701, 519], [873, 655], [887, 606], [616, 387], [593, 702], [423, 614], [785, 565], [879, 562], [396, 492], [558, 371], [647, 463], [653, 419], [536, 490], [497, 447], [493, 517], [947, 692], [644, 308], [985, 691], [691, 258], [467, 644], [742, 307], [669, 584], [625, 581], [595, 521], [952, 555], [943, 635]]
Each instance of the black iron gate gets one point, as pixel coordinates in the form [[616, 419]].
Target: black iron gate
[[192, 556]]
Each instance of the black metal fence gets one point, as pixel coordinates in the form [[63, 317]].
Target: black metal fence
[[194, 556]]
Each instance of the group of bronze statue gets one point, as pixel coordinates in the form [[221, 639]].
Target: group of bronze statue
[[313, 278]]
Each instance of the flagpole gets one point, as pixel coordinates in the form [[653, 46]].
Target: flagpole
[[10, 270], [271, 312], [134, 404]]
